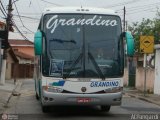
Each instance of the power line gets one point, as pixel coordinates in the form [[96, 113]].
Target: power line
[[21, 19], [30, 13], [27, 17], [33, 7], [3, 10], [2, 17], [144, 6], [122, 4], [3, 7], [149, 9], [51, 3], [137, 9], [14, 24], [24, 32], [39, 5]]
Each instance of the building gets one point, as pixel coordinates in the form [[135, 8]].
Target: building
[[157, 70], [11, 64], [2, 25], [24, 51]]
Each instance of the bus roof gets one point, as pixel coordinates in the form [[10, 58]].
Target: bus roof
[[81, 10]]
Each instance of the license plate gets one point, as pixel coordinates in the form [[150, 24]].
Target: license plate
[[83, 100]]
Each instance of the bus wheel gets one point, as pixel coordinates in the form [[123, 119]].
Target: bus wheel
[[44, 109], [37, 97], [105, 108]]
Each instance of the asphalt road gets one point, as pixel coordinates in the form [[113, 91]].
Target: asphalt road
[[26, 107]]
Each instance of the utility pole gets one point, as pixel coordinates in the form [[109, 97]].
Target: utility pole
[[8, 26], [145, 72], [2, 37], [126, 25], [0, 56], [124, 19], [124, 15]]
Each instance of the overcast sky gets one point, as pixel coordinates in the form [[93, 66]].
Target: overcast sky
[[135, 11]]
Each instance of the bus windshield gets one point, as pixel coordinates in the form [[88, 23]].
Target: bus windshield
[[82, 46]]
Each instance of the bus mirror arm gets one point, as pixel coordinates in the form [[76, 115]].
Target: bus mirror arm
[[129, 43], [123, 35]]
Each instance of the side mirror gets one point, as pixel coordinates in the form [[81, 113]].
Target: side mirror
[[130, 43], [38, 43]]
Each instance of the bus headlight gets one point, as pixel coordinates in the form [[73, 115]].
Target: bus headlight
[[52, 89]]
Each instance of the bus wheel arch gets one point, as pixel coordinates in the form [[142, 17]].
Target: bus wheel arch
[[37, 97], [45, 109], [105, 108]]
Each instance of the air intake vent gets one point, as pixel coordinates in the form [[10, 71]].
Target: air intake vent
[[84, 79], [82, 9]]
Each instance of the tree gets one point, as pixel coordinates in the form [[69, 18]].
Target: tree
[[146, 27], [157, 27]]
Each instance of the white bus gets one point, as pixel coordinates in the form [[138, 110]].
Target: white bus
[[80, 57]]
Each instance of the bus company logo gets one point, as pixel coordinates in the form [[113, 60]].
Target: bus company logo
[[4, 116], [59, 83], [105, 84], [83, 89], [54, 22]]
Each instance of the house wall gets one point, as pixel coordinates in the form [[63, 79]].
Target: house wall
[[25, 61], [24, 69], [150, 77], [157, 71], [8, 74], [125, 77], [139, 80]]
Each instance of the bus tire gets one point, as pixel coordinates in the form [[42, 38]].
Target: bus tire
[[105, 108], [44, 109], [37, 97]]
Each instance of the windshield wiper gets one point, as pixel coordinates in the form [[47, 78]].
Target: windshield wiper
[[73, 65], [62, 41], [96, 66]]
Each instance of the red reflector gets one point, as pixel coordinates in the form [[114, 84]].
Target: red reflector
[[83, 100]]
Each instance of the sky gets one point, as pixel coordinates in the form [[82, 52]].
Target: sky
[[31, 10]]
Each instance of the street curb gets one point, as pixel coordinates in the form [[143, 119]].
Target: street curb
[[142, 98]]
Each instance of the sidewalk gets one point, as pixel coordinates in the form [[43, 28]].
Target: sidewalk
[[152, 98], [6, 92]]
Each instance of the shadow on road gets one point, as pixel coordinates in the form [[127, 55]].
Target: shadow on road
[[76, 111], [81, 112]]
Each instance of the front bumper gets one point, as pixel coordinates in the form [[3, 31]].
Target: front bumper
[[50, 98]]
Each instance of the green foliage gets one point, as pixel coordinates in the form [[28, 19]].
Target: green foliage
[[146, 27]]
